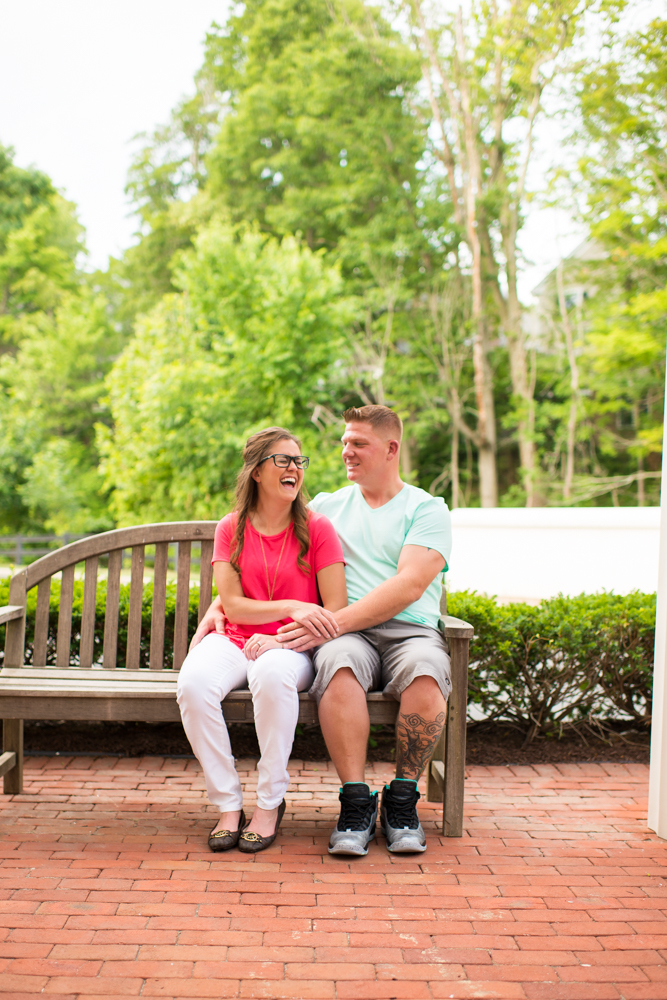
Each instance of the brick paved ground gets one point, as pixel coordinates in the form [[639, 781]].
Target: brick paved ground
[[107, 889]]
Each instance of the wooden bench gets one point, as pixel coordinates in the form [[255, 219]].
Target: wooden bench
[[83, 685]]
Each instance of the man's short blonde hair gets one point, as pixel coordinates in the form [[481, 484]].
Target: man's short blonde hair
[[383, 420]]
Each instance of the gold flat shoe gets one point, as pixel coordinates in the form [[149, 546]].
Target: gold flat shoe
[[251, 842], [224, 840]]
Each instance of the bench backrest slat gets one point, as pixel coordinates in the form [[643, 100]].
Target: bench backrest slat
[[41, 623], [205, 577], [112, 610], [87, 644], [132, 660], [159, 601], [182, 604], [64, 639]]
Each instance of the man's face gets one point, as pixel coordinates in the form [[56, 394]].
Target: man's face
[[364, 452]]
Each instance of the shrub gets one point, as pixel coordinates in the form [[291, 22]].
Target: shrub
[[538, 667], [567, 659]]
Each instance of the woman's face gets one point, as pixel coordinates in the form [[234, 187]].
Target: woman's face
[[275, 482]]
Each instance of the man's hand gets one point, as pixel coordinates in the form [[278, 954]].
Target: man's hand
[[317, 621], [295, 636], [213, 621]]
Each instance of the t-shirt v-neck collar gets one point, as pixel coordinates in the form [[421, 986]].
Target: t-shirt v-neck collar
[[382, 506]]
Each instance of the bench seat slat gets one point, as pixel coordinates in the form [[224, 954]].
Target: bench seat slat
[[48, 673], [145, 706]]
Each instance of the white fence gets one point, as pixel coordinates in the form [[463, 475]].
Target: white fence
[[531, 553]]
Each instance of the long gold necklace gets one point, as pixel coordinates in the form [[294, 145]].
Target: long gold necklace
[[270, 589]]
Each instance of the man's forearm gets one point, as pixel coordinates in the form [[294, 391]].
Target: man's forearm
[[383, 603]]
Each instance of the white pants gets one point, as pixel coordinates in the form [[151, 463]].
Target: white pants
[[214, 668]]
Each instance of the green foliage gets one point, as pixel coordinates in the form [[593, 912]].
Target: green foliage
[[51, 398], [254, 339], [303, 246], [564, 660], [621, 186], [39, 242], [316, 139], [37, 266]]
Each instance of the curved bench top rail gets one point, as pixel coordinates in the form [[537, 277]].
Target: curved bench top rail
[[119, 538]]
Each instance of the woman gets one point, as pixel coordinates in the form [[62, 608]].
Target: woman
[[274, 562]]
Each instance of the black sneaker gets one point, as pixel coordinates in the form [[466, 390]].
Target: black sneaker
[[399, 821], [356, 824]]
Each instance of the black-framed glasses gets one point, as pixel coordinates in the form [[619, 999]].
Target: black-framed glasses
[[284, 461]]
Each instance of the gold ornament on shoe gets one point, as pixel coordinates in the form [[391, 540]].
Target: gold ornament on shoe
[[223, 833], [250, 835]]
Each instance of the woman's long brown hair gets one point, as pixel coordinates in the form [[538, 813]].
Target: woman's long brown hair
[[256, 448]]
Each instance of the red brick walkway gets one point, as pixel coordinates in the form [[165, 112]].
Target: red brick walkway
[[107, 889]]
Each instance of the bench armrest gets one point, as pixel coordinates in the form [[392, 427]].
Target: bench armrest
[[11, 611], [455, 628]]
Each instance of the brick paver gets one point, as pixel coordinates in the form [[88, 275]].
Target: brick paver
[[556, 891]]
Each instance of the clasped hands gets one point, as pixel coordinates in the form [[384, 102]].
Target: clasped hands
[[311, 626]]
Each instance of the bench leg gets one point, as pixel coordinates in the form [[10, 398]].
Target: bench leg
[[435, 770], [12, 742], [455, 741]]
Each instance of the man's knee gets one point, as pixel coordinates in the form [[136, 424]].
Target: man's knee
[[424, 690], [343, 686]]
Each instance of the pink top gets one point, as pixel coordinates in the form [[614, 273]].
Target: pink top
[[291, 581]]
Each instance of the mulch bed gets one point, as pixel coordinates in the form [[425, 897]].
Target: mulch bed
[[488, 743]]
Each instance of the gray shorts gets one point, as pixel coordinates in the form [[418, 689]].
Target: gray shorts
[[385, 658]]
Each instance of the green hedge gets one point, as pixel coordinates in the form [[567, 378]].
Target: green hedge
[[538, 667], [567, 659]]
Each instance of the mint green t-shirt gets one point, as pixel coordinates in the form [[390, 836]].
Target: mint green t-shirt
[[372, 540]]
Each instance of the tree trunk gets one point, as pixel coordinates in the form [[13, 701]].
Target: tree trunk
[[455, 467], [486, 420], [574, 383]]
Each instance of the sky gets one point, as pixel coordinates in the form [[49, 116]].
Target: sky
[[81, 78]]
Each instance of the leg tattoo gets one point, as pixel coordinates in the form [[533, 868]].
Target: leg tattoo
[[416, 737]]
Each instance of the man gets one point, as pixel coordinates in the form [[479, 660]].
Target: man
[[396, 541]]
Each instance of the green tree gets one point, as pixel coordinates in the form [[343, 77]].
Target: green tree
[[256, 337], [616, 353], [485, 76], [40, 240], [51, 393]]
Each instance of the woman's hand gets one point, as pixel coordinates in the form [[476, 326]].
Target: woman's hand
[[258, 644], [320, 622]]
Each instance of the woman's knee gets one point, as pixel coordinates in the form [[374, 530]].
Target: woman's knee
[[205, 677], [272, 672]]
